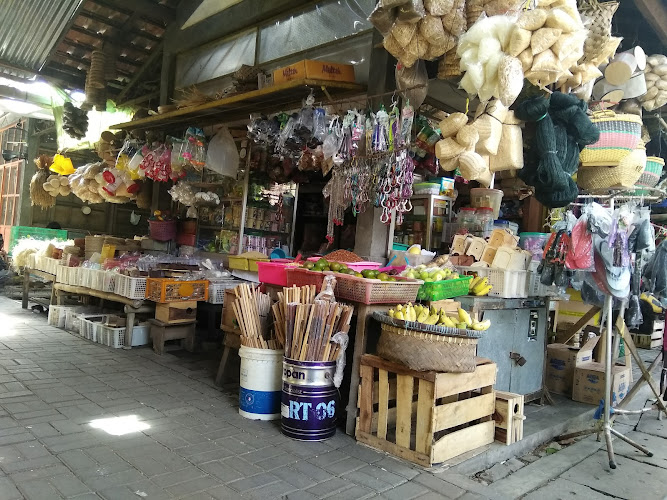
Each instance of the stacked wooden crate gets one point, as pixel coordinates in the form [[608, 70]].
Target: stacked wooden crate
[[425, 417]]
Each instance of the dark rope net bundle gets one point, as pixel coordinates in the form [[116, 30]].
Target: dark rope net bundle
[[562, 129]]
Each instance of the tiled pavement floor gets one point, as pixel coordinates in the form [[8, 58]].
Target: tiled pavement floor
[[185, 440]]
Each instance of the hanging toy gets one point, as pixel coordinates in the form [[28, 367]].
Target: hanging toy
[[62, 165]]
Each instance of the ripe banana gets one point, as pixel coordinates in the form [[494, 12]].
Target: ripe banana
[[399, 315], [481, 284], [412, 314], [481, 325], [432, 319], [446, 320], [473, 282], [465, 317], [423, 316], [483, 291], [418, 309], [391, 313]]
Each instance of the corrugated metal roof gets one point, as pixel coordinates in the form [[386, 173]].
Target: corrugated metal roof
[[30, 28]]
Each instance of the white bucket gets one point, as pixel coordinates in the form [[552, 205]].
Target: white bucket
[[261, 383]]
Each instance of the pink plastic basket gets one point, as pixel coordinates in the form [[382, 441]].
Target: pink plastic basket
[[162, 230], [273, 273], [368, 291]]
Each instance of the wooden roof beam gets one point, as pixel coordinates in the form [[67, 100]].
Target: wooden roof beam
[[157, 52], [655, 13], [107, 39], [147, 10], [124, 26]]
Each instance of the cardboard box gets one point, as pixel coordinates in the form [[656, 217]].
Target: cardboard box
[[589, 383], [317, 70], [562, 359], [176, 312], [572, 310]]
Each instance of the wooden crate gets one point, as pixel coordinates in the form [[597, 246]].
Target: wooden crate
[[646, 341], [425, 417], [509, 417]]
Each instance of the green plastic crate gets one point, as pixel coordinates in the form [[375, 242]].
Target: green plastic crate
[[37, 233], [446, 289]]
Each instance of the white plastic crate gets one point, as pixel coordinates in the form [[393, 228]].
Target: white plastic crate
[[57, 316], [506, 284], [109, 281], [61, 274], [115, 337], [72, 313], [86, 277], [90, 325], [132, 288], [73, 274], [49, 265], [216, 291]]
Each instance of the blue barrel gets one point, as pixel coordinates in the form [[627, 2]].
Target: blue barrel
[[309, 400]]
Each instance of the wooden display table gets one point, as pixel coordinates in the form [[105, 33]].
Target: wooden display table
[[132, 307], [161, 332], [27, 272]]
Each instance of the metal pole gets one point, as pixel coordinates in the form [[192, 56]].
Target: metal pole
[[607, 379]]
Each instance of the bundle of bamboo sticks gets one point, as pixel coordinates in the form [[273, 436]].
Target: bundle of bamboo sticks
[[306, 325], [252, 309]]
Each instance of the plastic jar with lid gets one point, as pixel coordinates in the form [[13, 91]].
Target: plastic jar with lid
[[485, 218], [467, 219]]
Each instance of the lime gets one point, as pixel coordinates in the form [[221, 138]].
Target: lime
[[323, 261], [343, 267], [383, 276], [309, 265], [359, 275], [391, 278], [335, 267]]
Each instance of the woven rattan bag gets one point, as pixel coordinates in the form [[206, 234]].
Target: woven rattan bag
[[624, 175], [599, 16], [619, 135]]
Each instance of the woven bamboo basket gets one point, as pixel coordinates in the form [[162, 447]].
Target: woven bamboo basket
[[425, 352], [652, 172], [624, 175], [599, 26], [619, 135]]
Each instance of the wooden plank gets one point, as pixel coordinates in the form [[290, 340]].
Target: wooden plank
[[391, 417], [447, 384], [377, 362], [454, 414], [366, 399], [394, 449], [425, 417], [391, 395], [404, 389], [509, 417], [456, 443], [383, 404]]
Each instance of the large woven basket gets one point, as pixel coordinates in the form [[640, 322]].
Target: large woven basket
[[652, 172], [425, 352], [624, 175], [619, 135]]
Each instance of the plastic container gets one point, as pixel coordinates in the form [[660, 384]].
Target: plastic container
[[216, 291], [115, 337], [484, 197], [299, 276], [467, 219], [446, 289], [371, 291], [132, 288], [506, 284], [426, 188], [260, 383], [273, 273], [484, 217], [56, 316], [510, 226], [164, 290], [238, 263], [37, 233], [534, 243], [162, 230], [355, 266], [309, 400]]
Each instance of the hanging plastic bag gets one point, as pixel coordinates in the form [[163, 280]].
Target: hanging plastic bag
[[197, 142], [222, 156], [414, 76], [327, 291], [580, 254], [411, 12]]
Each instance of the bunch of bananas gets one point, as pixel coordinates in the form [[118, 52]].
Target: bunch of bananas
[[479, 286], [432, 316]]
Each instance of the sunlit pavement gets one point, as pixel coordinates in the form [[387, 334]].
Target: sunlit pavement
[[80, 420]]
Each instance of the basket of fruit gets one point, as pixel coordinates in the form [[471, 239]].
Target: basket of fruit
[[373, 287], [426, 342], [312, 272], [440, 283]]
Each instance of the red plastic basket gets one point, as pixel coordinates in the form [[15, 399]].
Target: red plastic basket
[[369, 291], [302, 277], [162, 230]]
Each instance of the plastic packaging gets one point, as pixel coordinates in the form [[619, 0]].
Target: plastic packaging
[[411, 77], [222, 156]]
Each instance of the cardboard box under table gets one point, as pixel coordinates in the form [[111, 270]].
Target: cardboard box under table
[[589, 383], [562, 359], [425, 417]]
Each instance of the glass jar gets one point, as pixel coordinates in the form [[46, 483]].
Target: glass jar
[[485, 218], [467, 219]]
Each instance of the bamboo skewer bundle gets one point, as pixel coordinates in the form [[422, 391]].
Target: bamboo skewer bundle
[[252, 309], [307, 325]]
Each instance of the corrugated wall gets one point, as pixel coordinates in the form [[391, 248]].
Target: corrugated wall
[[30, 28]]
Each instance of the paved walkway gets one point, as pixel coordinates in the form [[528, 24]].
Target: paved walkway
[[79, 420]]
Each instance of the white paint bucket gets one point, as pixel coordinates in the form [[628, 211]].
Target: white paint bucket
[[260, 383]]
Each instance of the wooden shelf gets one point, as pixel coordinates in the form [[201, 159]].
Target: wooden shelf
[[271, 99]]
